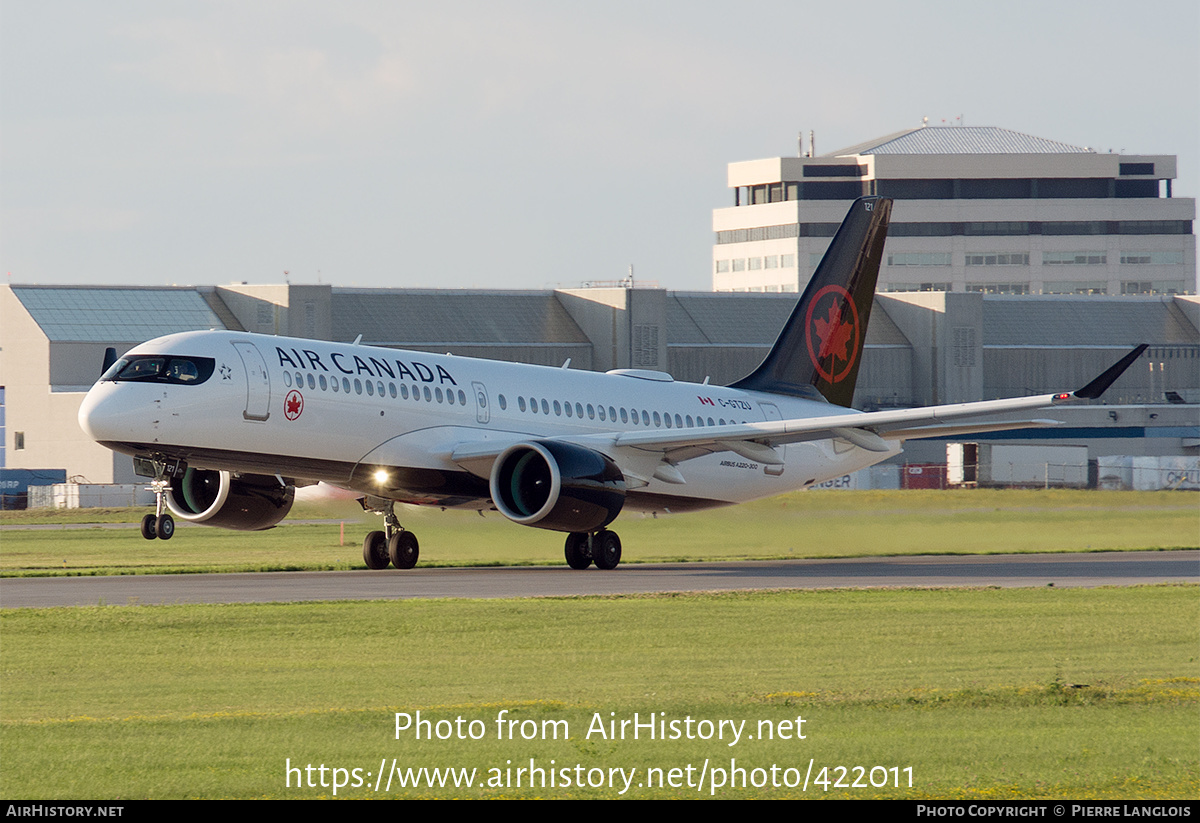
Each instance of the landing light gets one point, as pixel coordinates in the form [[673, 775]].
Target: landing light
[[381, 476]]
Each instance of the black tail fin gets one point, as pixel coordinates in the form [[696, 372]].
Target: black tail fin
[[821, 346]]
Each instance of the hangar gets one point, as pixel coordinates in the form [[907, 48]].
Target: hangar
[[921, 349]]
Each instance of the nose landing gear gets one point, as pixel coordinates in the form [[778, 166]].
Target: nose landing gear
[[159, 525]]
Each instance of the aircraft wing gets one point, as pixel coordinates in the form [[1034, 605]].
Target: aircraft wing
[[874, 431]]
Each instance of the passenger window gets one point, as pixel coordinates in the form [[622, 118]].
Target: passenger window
[[324, 383], [428, 395], [624, 416], [521, 403], [346, 385], [568, 408], [645, 418], [370, 388], [462, 398], [592, 412], [679, 422], [545, 406], [503, 403], [557, 409], [657, 421]]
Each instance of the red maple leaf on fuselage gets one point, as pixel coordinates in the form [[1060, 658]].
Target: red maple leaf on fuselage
[[293, 405], [834, 334]]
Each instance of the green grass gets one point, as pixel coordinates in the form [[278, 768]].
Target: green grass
[[804, 524], [984, 693]]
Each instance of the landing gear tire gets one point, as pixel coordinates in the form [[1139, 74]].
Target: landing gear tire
[[576, 551], [606, 550], [403, 550], [164, 526], [149, 531], [375, 551]]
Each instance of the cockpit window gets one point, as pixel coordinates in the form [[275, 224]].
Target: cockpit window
[[156, 368]]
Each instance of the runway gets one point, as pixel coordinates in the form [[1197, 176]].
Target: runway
[[1065, 570]]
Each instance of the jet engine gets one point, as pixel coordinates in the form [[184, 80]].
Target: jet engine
[[558, 486], [248, 502]]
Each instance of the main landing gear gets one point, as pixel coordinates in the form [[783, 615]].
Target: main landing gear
[[392, 545], [161, 525], [602, 548]]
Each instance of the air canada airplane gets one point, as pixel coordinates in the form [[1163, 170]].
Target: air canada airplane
[[227, 424]]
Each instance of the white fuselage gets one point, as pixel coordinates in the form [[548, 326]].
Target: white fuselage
[[342, 413]]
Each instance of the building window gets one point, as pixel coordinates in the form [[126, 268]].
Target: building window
[[1074, 227], [1152, 287], [1135, 168], [838, 170], [1075, 287], [755, 263], [1074, 258], [999, 227], [999, 288], [1154, 227], [919, 258], [787, 261], [739, 265], [1152, 258], [771, 261], [722, 266], [911, 287], [18, 441], [993, 258]]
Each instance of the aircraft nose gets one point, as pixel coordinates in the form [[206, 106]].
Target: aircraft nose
[[99, 414]]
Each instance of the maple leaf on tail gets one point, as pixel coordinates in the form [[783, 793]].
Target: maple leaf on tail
[[835, 335]]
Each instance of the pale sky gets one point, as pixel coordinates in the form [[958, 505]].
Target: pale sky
[[510, 144]]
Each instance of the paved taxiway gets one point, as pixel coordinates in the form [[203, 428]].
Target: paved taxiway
[[1099, 569]]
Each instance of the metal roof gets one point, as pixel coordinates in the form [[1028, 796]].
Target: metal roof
[[725, 319], [1069, 322], [115, 315], [960, 140], [429, 317]]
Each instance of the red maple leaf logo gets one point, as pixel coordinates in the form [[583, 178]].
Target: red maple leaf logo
[[293, 405], [834, 334]]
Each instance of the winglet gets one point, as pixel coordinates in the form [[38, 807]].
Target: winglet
[[1100, 385]]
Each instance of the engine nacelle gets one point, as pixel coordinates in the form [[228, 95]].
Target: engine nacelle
[[248, 502], [559, 486]]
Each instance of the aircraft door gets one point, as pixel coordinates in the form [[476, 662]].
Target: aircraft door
[[482, 413], [771, 411], [258, 382]]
